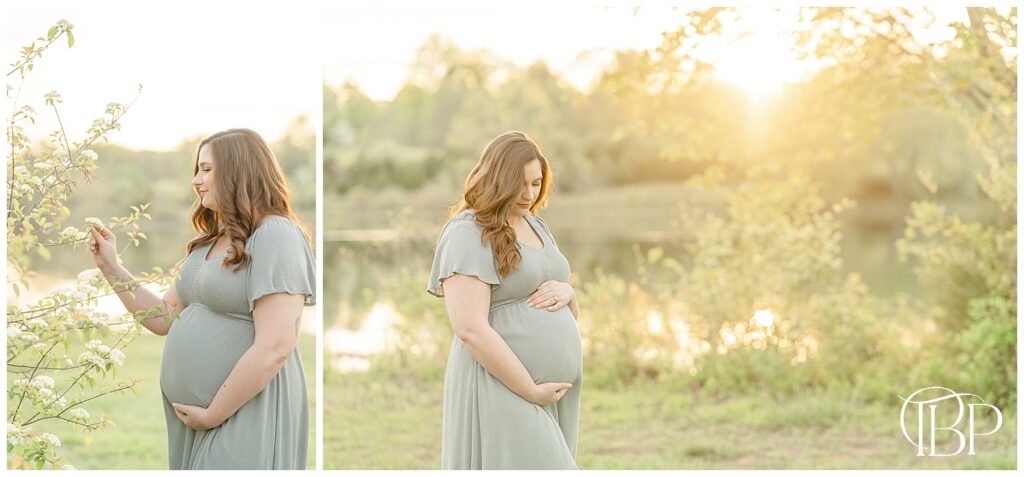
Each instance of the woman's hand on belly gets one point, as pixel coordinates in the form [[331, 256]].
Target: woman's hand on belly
[[468, 300], [546, 394], [552, 295], [198, 418]]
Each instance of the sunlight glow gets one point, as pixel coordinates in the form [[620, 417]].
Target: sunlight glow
[[764, 318], [759, 67], [654, 322], [761, 62]]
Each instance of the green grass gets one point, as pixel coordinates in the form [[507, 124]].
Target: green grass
[[139, 438], [393, 421]]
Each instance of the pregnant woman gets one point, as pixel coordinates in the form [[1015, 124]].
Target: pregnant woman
[[515, 368], [233, 390]]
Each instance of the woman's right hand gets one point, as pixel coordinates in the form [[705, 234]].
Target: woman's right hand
[[103, 245], [546, 394]]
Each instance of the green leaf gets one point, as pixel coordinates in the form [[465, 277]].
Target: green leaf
[[52, 33], [71, 39]]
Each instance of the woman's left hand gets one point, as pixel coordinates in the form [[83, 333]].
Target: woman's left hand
[[198, 418], [552, 295]]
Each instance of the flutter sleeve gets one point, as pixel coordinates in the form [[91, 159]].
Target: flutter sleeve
[[459, 250], [282, 262]]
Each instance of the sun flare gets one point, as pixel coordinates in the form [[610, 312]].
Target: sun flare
[[761, 62]]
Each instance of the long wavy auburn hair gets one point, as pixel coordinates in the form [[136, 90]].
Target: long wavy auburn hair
[[495, 185], [249, 186]]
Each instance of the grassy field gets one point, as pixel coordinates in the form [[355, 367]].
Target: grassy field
[[139, 439], [394, 422]]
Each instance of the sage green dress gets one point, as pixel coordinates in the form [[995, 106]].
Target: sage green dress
[[270, 431], [486, 425]]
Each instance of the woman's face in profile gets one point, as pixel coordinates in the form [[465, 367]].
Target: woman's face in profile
[[203, 182], [533, 178]]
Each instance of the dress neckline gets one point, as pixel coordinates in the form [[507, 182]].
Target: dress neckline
[[543, 243], [529, 222], [206, 253]]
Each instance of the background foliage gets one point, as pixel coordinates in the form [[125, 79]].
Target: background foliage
[[852, 235]]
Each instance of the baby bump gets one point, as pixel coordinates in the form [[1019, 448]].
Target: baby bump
[[547, 342], [200, 351]]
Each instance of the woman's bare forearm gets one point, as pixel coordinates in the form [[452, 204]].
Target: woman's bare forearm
[[492, 352], [137, 298]]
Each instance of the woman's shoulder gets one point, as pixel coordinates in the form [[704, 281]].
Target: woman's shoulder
[[272, 221], [462, 225], [463, 220], [276, 228]]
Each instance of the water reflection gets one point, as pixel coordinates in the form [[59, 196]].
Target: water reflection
[[360, 317], [350, 350]]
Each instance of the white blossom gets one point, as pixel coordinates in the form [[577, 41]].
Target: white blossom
[[42, 382], [103, 349], [63, 291], [91, 358], [99, 317], [70, 231], [80, 295], [90, 154], [43, 166], [89, 275], [37, 323], [93, 344], [94, 221], [14, 434], [13, 331], [52, 439], [117, 357], [79, 413]]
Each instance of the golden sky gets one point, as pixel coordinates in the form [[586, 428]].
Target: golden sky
[[374, 43]]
